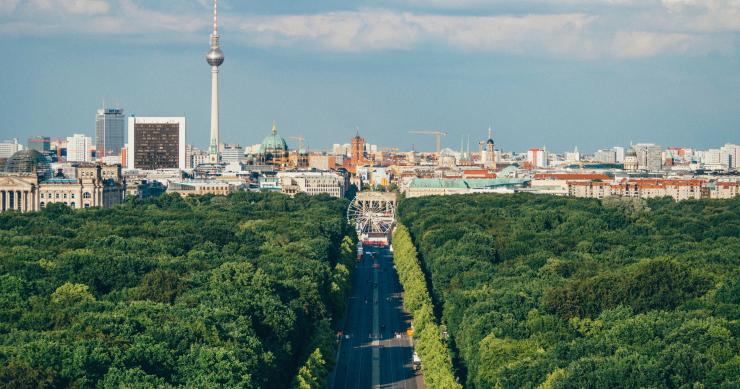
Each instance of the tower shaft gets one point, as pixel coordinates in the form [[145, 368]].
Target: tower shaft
[[213, 149]]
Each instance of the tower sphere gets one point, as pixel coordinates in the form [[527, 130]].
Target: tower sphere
[[215, 57]]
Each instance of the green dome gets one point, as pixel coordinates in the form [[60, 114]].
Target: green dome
[[273, 142]]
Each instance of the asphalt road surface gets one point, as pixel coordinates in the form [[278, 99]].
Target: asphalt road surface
[[374, 351]]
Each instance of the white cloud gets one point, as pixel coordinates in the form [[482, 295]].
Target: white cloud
[[638, 44], [467, 4], [657, 27], [507, 33], [8, 6], [383, 29], [569, 35], [352, 31], [79, 7]]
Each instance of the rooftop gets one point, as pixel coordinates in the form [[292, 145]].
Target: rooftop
[[465, 183]]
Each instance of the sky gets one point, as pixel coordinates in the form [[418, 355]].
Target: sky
[[554, 73]]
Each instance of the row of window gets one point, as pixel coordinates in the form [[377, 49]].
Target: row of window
[[72, 204], [85, 195]]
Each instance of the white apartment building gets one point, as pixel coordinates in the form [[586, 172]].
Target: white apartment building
[[606, 156], [9, 147], [537, 157], [78, 148], [725, 190], [619, 151], [712, 159], [728, 156], [232, 153]]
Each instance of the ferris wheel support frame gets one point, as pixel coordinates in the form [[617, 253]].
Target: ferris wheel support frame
[[371, 216]]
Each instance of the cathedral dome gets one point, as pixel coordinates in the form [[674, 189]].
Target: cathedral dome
[[273, 142], [28, 161]]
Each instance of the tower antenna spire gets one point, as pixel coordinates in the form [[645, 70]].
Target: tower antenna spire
[[215, 17]]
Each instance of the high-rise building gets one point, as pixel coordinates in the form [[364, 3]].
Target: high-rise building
[[537, 157], [79, 147], [9, 147], [215, 58], [59, 148], [156, 143], [728, 156], [649, 156], [606, 156], [712, 159], [619, 151], [232, 153], [42, 144], [110, 129]]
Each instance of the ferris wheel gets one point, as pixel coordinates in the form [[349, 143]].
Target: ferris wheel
[[371, 216]]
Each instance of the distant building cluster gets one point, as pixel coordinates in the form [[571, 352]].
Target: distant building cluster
[[29, 184], [147, 156]]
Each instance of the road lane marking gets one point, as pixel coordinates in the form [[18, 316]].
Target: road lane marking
[[376, 329]]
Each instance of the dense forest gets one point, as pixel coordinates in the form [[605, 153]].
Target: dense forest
[[550, 292], [236, 291]]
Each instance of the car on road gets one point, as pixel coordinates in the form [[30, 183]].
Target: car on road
[[416, 364]]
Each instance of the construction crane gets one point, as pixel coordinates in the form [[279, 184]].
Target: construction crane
[[300, 140], [439, 134]]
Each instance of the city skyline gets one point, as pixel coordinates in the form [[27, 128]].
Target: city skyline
[[674, 89]]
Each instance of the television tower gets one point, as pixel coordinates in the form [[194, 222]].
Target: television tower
[[215, 58]]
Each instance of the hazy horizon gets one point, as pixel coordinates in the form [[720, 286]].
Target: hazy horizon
[[555, 73]]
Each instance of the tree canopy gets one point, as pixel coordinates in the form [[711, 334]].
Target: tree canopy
[[549, 292], [236, 291]]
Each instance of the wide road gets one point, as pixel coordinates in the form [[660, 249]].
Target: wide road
[[375, 351]]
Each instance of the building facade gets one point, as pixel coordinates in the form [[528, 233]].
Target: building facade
[[649, 156], [725, 190], [729, 154], [490, 160], [420, 187], [156, 143], [9, 147], [312, 183], [199, 188], [42, 144], [110, 130], [606, 156], [232, 153], [631, 164], [642, 188], [358, 150], [537, 158], [78, 148], [92, 186]]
